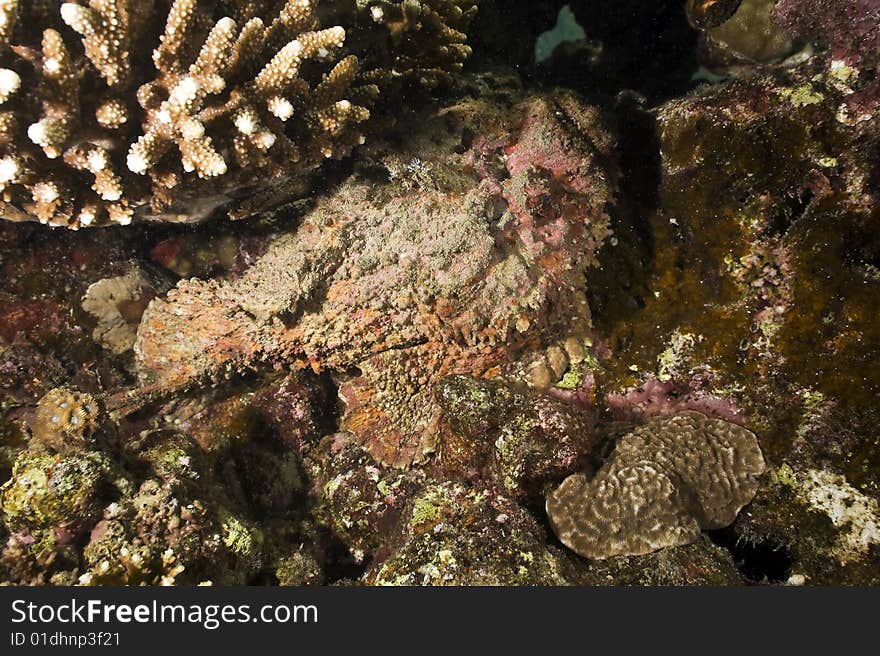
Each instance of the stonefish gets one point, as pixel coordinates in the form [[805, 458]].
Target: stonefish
[[461, 250]]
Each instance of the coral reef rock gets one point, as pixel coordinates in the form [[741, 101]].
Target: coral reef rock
[[63, 494], [455, 535], [529, 440], [850, 28], [117, 109], [848, 509], [161, 516], [358, 501], [663, 483], [117, 305]]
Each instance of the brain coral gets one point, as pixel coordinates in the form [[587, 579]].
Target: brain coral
[[663, 483], [113, 110]]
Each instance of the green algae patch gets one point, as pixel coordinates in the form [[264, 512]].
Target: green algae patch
[[573, 378], [241, 538], [802, 96], [429, 507], [299, 569], [785, 475], [47, 490]]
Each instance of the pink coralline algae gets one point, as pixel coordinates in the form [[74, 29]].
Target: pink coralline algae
[[851, 28], [663, 399], [396, 290]]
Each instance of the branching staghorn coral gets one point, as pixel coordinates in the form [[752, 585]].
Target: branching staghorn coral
[[428, 38], [112, 110]]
